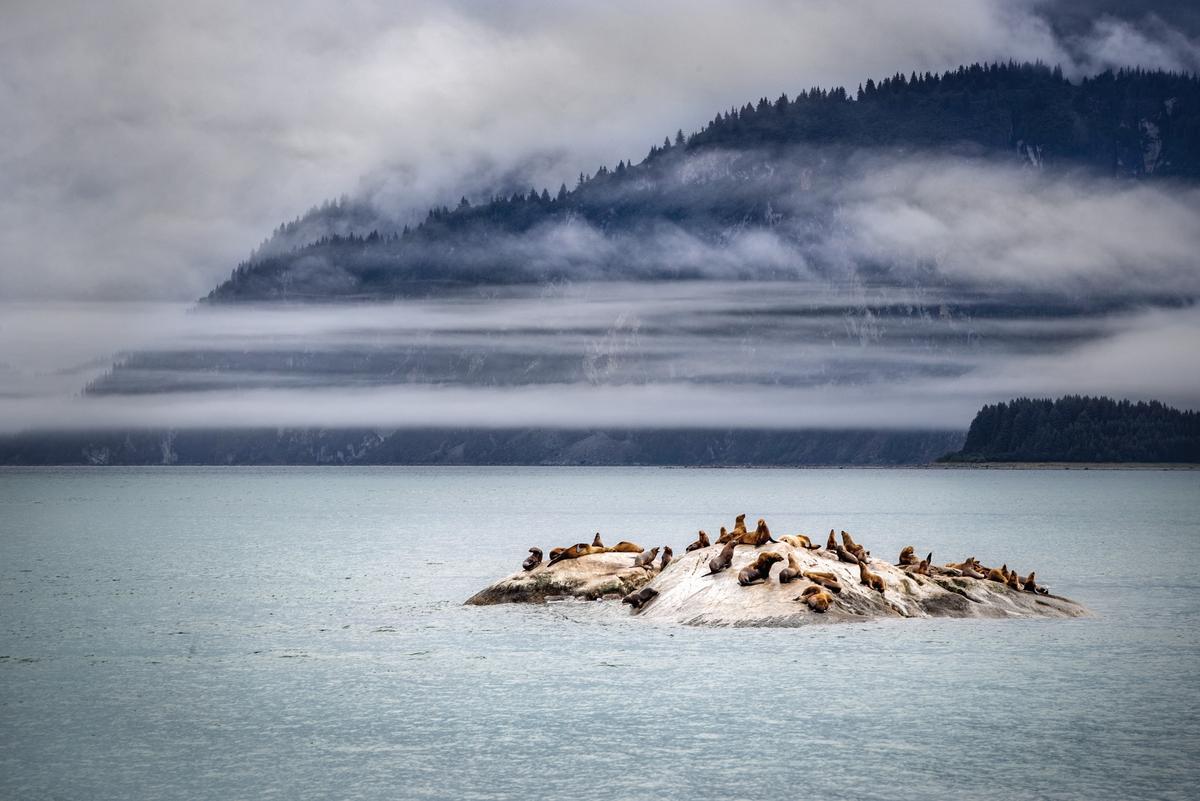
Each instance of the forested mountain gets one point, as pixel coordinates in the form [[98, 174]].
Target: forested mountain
[[1081, 429], [770, 165]]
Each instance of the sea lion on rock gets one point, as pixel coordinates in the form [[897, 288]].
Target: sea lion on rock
[[534, 559], [849, 542], [791, 572], [640, 598], [817, 598], [922, 568], [575, 551], [759, 537], [722, 560], [726, 536], [1028, 583], [596, 543], [555, 553], [998, 574], [831, 543], [759, 570], [908, 556], [646, 558], [872, 580], [625, 547], [666, 557], [799, 541], [827, 580], [701, 542], [739, 524], [1013, 580], [846, 556]]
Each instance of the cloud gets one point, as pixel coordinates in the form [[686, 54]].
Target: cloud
[[146, 150]]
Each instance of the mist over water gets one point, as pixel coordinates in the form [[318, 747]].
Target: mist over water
[[703, 353]]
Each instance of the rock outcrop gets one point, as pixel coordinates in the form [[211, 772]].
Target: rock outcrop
[[589, 577], [686, 595]]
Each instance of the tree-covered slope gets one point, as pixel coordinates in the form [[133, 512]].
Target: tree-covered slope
[[694, 206], [1081, 429]]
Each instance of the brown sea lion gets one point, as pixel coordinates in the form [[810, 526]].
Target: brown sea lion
[[722, 560], [625, 547], [817, 598], [846, 556], [533, 560], [759, 537], [827, 580], [596, 543], [739, 524], [998, 574], [759, 570], [646, 558], [666, 557], [701, 542], [922, 568], [639, 598], [872, 580], [831, 543], [726, 536], [1029, 583], [1013, 580], [849, 542], [908, 556], [799, 541], [575, 551], [791, 572], [555, 553]]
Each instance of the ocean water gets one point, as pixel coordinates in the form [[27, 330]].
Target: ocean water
[[230, 633]]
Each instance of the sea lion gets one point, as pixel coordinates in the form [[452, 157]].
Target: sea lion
[[1028, 583], [998, 574], [1013, 580], [646, 558], [666, 557], [596, 543], [908, 556], [701, 542], [722, 560], [759, 570], [846, 556], [575, 551], [872, 580], [922, 568], [726, 536], [817, 598], [759, 537], [639, 598], [555, 553], [849, 542], [625, 547], [827, 580], [831, 543], [791, 572], [799, 541], [739, 524], [533, 560]]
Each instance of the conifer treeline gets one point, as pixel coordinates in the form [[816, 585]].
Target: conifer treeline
[[1078, 428]]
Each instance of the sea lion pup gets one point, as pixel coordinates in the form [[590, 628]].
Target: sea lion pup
[[596, 543], [817, 598], [827, 580], [701, 542], [625, 547], [726, 536], [666, 558], [639, 598], [872, 580], [908, 556], [791, 572], [759, 570], [533, 560], [831, 543], [646, 558], [722, 560]]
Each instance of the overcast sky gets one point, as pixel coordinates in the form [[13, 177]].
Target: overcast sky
[[146, 147]]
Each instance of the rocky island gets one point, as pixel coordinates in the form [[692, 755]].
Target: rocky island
[[854, 584]]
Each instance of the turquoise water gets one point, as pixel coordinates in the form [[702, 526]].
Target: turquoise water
[[226, 633]]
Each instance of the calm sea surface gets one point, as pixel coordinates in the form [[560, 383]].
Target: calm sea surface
[[229, 633]]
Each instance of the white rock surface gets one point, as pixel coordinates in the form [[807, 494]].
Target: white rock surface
[[590, 577]]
